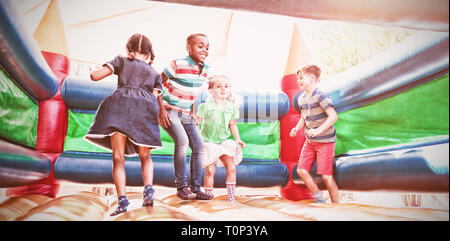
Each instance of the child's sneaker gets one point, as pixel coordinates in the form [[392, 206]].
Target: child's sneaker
[[203, 196], [185, 194], [122, 205], [148, 196], [209, 191], [318, 198]]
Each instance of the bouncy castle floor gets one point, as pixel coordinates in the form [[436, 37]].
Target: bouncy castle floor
[[82, 202]]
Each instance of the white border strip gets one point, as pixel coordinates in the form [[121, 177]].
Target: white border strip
[[99, 136]]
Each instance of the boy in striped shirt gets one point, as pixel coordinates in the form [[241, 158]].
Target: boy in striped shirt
[[182, 81], [317, 119]]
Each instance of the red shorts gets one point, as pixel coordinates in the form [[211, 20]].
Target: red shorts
[[323, 152]]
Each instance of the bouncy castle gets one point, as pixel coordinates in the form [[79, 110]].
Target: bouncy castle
[[392, 132]]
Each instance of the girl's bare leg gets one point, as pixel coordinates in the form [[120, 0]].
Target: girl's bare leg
[[118, 142], [147, 175], [118, 152], [146, 165], [228, 162], [210, 170]]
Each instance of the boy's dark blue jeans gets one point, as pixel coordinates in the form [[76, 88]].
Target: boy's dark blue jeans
[[184, 133]]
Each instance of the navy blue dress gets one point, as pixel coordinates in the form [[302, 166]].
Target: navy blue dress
[[131, 110]]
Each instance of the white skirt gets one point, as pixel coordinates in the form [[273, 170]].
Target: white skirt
[[213, 151]]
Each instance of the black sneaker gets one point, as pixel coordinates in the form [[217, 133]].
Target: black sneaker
[[185, 194], [203, 196]]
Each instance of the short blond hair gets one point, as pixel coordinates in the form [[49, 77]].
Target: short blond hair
[[309, 69], [214, 79]]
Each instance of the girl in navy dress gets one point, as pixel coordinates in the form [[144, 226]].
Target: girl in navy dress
[[126, 121]]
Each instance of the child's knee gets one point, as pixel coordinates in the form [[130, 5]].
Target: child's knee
[[144, 156], [302, 172], [210, 170], [327, 178], [182, 142], [231, 167], [197, 146], [118, 158]]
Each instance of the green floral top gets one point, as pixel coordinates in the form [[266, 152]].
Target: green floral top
[[215, 122]]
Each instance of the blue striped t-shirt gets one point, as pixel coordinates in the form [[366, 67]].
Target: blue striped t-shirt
[[313, 111]]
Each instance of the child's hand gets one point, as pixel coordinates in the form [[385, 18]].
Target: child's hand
[[197, 119], [293, 132], [240, 143], [164, 118], [313, 132], [157, 92]]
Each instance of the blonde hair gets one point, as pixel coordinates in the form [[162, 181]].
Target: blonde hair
[[214, 79]]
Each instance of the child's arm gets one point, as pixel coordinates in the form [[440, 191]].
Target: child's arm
[[164, 117], [198, 117], [300, 125], [157, 92], [101, 73], [157, 87], [235, 132], [332, 118], [192, 112]]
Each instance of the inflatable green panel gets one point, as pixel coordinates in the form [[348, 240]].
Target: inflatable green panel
[[18, 113], [262, 139], [415, 115]]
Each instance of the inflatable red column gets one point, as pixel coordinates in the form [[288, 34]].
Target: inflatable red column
[[52, 116], [291, 146], [52, 122]]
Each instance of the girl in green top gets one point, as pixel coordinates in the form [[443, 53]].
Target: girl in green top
[[218, 116]]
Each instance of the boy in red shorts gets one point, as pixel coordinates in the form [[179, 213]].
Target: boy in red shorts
[[317, 117]]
